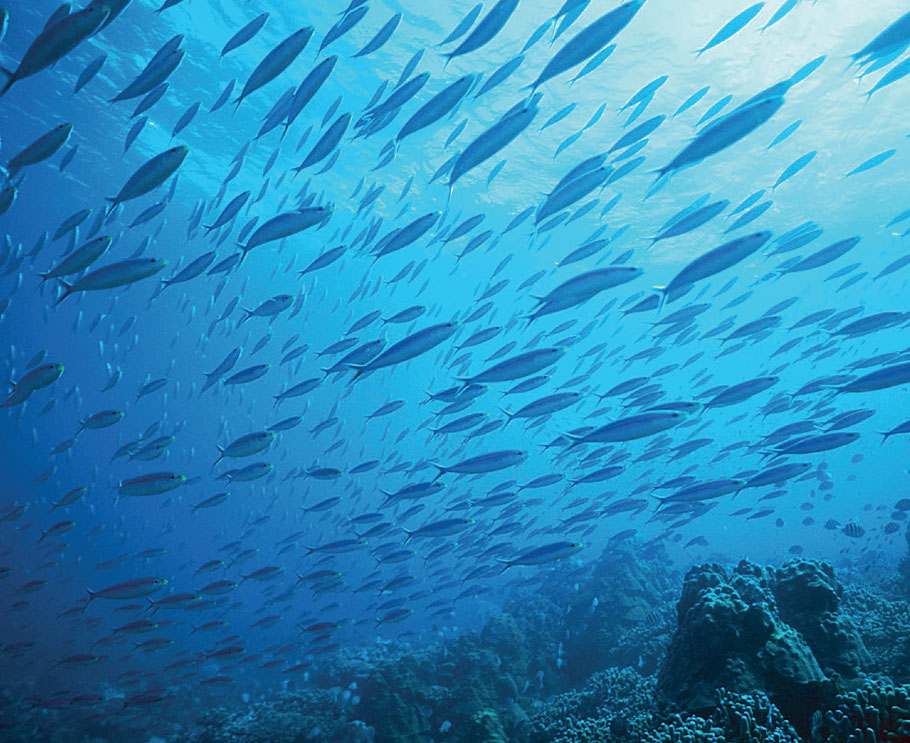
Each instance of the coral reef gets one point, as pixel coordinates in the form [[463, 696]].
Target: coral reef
[[308, 715], [620, 594], [735, 718], [876, 712], [777, 631], [613, 702], [751, 654], [883, 620]]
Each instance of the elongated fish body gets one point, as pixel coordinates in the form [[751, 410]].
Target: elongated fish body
[[545, 554], [815, 444], [715, 261], [363, 354], [732, 26], [483, 463], [347, 22], [79, 259], [580, 289], [890, 376], [545, 405], [824, 256], [194, 268], [396, 100], [490, 25], [151, 174], [381, 37], [724, 132], [878, 321], [632, 427], [441, 528], [41, 149], [113, 276], [463, 25], [590, 40], [56, 41], [250, 374], [324, 259], [276, 61], [36, 379], [247, 446], [777, 474], [327, 142], [153, 484], [308, 88], [493, 140], [134, 588], [740, 392], [440, 105], [245, 34], [156, 72], [285, 225], [410, 233], [408, 348], [500, 75], [223, 368], [517, 367], [895, 35], [704, 491], [229, 212], [250, 472], [571, 192], [692, 221], [89, 72]]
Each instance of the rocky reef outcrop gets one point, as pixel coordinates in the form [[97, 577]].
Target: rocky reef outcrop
[[777, 631]]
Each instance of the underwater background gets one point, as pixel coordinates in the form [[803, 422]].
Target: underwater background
[[504, 371]]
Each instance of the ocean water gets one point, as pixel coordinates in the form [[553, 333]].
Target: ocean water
[[748, 357]]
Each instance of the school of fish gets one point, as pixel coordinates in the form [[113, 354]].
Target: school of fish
[[422, 342]]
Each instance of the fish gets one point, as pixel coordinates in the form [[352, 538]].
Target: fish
[[727, 130], [151, 174], [589, 41], [245, 34], [55, 42], [544, 554], [39, 150], [494, 139], [731, 27], [113, 276], [284, 225], [275, 62], [485, 30], [713, 262]]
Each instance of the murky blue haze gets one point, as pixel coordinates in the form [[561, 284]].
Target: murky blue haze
[[289, 499]]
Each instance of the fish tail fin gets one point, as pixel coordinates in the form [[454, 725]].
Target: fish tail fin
[[509, 417], [663, 298], [220, 455], [441, 469], [67, 290], [91, 595], [409, 533], [10, 79], [884, 436], [506, 564]]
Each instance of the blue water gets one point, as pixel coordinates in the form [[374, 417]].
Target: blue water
[[142, 334]]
